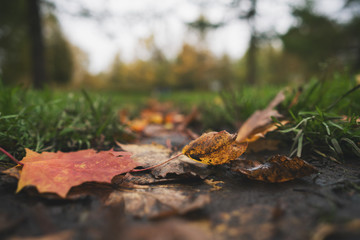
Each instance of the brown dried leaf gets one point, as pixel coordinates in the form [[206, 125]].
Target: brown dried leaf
[[214, 148], [259, 118], [277, 169], [182, 166], [152, 154], [147, 155], [158, 202], [261, 131]]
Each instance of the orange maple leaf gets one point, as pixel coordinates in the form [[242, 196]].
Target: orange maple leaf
[[58, 172]]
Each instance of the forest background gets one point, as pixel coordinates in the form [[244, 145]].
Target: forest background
[[35, 51]]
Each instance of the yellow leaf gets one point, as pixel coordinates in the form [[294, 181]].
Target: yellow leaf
[[214, 148]]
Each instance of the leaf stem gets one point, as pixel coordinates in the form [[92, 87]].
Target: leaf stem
[[11, 157], [140, 170]]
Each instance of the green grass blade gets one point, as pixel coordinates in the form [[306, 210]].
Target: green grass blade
[[300, 145], [356, 149], [337, 147]]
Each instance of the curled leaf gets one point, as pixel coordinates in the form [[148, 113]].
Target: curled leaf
[[277, 169], [214, 148], [259, 119]]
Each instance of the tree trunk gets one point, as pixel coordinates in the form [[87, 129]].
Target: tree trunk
[[37, 44], [251, 61]]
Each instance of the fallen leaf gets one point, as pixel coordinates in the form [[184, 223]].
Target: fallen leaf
[[259, 118], [58, 172], [182, 166], [138, 125], [148, 155], [214, 148], [277, 169], [158, 202], [260, 132]]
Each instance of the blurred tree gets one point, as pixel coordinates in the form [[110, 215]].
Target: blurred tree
[[352, 30], [202, 26], [164, 77], [81, 66], [194, 68], [225, 72], [14, 47], [117, 74], [247, 12], [37, 43], [319, 41], [30, 35], [59, 57], [314, 39]]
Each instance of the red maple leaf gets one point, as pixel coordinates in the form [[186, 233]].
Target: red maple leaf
[[58, 172]]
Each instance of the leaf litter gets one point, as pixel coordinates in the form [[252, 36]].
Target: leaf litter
[[276, 169], [162, 201], [58, 172], [148, 155]]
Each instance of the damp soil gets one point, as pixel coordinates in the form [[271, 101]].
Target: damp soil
[[321, 206]]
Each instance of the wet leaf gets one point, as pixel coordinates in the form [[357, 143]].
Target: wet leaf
[[260, 119], [277, 169], [148, 155], [260, 132], [58, 172], [158, 202], [214, 148], [182, 166]]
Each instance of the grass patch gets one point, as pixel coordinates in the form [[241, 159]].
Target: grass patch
[[229, 108], [325, 118], [57, 120]]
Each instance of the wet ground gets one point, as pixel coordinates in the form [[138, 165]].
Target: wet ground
[[226, 205]]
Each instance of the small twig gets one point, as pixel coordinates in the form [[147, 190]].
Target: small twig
[[140, 170], [11, 157]]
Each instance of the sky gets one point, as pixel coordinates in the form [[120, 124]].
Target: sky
[[119, 25]]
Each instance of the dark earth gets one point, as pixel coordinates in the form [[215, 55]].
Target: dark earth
[[321, 206]]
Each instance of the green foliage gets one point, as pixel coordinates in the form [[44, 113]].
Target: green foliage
[[325, 118], [47, 120], [232, 107], [316, 39]]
